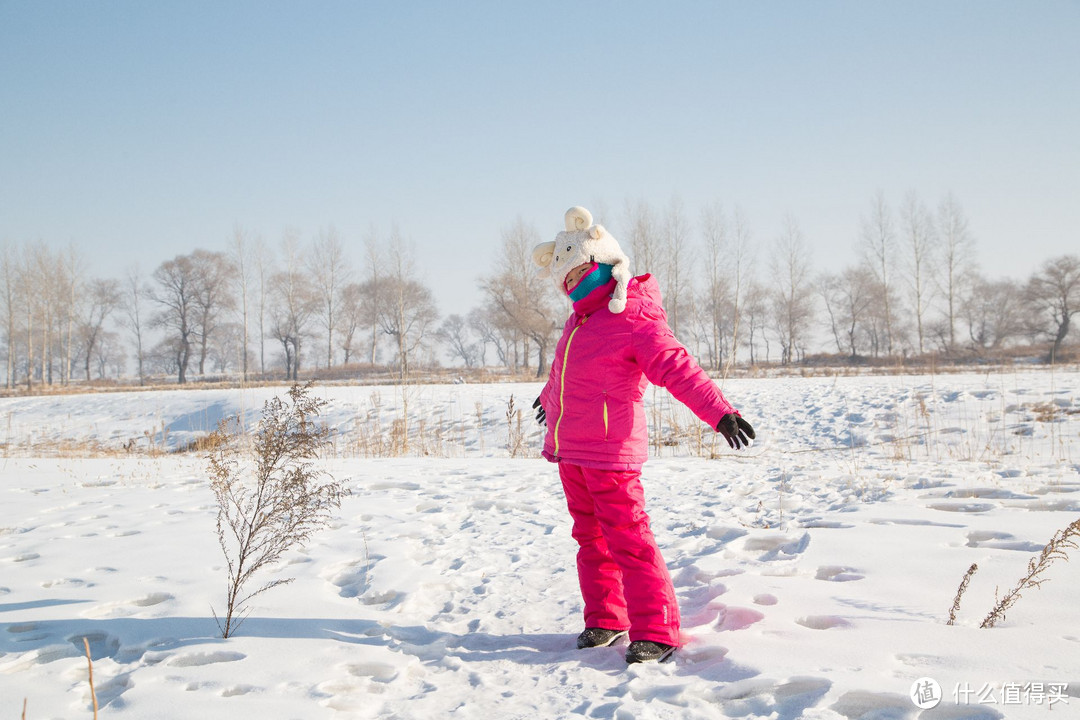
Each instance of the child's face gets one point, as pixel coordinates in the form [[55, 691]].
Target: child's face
[[574, 276]]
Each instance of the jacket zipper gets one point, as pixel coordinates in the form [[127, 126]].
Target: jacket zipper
[[562, 381]]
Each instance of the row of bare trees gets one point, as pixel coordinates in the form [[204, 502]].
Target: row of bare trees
[[257, 308], [912, 289], [54, 315]]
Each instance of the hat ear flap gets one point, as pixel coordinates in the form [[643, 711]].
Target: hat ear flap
[[543, 253], [621, 272]]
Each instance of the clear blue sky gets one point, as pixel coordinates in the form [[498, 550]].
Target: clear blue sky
[[141, 130]]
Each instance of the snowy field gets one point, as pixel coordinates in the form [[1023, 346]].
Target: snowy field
[[815, 572]]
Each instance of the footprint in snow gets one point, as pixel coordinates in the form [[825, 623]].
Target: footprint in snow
[[777, 547], [862, 704], [123, 608], [102, 644], [738, 618], [838, 573], [961, 507], [1000, 541], [199, 659], [824, 622]]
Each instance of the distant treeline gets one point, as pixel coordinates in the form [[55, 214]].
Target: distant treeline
[[913, 291]]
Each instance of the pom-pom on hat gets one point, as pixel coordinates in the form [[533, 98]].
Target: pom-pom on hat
[[580, 243]]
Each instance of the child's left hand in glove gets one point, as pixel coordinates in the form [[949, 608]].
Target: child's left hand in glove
[[735, 430]]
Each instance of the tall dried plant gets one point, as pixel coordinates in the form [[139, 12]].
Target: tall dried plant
[[515, 433], [90, 670], [960, 593], [1057, 549], [270, 496]]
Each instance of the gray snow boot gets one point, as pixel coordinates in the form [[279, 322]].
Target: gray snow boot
[[598, 637], [641, 651]]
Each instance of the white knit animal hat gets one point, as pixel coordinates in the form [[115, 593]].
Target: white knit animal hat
[[580, 243]]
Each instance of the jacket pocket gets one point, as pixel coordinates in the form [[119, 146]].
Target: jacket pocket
[[605, 417]]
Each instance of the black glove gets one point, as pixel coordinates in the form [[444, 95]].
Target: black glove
[[735, 430], [541, 413]]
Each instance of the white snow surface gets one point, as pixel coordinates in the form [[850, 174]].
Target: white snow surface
[[815, 571]]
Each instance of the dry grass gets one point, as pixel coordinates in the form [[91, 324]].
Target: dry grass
[[922, 427]]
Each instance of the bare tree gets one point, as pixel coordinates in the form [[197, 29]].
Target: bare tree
[[455, 334], [714, 233], [518, 299], [740, 272], [352, 318], [240, 256], [71, 274], [102, 298], [9, 277], [177, 284], [917, 226], [1054, 295], [292, 305], [226, 347], [264, 270], [489, 333], [214, 278], [373, 287], [847, 298], [676, 247], [406, 308], [646, 252], [44, 269], [993, 311], [108, 354], [879, 251], [330, 271], [957, 272], [792, 291], [756, 313], [133, 317], [727, 265], [26, 281]]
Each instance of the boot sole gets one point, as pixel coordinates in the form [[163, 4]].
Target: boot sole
[[614, 639], [663, 658]]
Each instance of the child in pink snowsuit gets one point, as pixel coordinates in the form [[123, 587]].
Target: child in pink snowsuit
[[613, 345]]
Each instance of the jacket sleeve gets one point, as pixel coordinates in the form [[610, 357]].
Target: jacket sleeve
[[667, 363], [549, 396]]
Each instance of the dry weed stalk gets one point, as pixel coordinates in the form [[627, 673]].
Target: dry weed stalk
[[515, 433], [1056, 549], [960, 593], [90, 664], [274, 502]]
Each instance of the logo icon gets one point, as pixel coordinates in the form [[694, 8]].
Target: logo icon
[[925, 693]]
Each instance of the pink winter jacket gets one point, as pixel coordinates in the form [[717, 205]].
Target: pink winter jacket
[[603, 364]]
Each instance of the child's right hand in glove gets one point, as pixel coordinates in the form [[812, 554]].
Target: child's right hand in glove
[[541, 414], [735, 430]]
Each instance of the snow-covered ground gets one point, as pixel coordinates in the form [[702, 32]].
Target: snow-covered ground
[[815, 572]]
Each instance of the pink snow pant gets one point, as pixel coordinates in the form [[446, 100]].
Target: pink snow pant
[[624, 582]]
